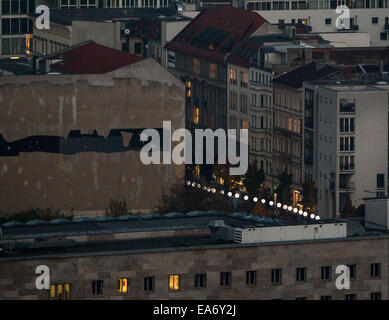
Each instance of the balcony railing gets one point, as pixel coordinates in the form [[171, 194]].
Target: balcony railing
[[348, 167], [347, 186]]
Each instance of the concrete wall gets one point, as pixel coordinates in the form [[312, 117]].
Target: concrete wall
[[17, 278], [141, 95]]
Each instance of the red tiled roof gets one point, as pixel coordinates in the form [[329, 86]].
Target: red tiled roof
[[236, 24], [91, 58]]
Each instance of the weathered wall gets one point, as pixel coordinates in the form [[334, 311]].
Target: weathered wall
[[17, 278], [138, 96]]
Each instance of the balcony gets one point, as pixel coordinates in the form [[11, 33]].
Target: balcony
[[347, 187], [347, 168]]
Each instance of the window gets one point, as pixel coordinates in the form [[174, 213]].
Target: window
[[138, 48], [174, 282], [97, 287], [243, 124], [301, 298], [225, 279], [251, 278], [380, 181], [148, 284], [122, 286], [374, 20], [375, 296], [243, 103], [188, 85], [325, 298], [276, 276], [200, 281], [196, 66], [212, 71], [375, 270], [233, 79], [196, 115], [347, 105], [351, 296], [60, 291], [243, 79], [383, 36], [328, 21], [301, 275], [353, 271], [325, 273]]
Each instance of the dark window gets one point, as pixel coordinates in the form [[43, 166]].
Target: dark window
[[380, 180], [375, 296], [14, 6], [301, 298], [276, 276], [6, 7], [200, 281], [325, 298], [328, 21], [31, 6], [383, 36], [138, 48], [148, 284], [23, 25], [374, 20], [14, 26], [97, 287], [6, 26], [351, 296], [225, 279], [301, 275], [23, 6], [375, 270], [353, 271], [251, 278], [325, 273]]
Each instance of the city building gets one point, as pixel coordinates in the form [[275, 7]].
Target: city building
[[72, 141], [347, 130], [366, 16], [200, 255]]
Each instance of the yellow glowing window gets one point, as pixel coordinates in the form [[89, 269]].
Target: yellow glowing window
[[52, 291], [197, 171], [212, 70], [174, 282], [196, 115], [290, 125], [233, 76], [59, 291], [122, 285], [67, 291]]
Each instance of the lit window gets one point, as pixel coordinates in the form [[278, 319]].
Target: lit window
[[196, 115], [212, 71], [174, 282], [233, 76], [290, 124], [60, 291], [122, 285]]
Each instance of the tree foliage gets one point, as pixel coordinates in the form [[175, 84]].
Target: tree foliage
[[348, 208], [309, 194], [253, 179], [284, 188]]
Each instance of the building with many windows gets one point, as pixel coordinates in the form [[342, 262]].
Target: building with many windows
[[367, 16], [349, 135], [200, 255]]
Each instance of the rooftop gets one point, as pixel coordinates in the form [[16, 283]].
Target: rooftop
[[78, 59], [215, 32]]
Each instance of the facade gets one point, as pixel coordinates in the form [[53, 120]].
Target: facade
[[72, 141], [195, 260], [348, 121], [367, 16], [15, 25]]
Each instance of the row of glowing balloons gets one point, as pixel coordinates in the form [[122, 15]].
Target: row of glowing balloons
[[255, 199]]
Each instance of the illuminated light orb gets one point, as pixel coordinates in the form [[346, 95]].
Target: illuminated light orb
[[300, 211], [255, 199], [305, 213], [246, 198], [263, 200], [213, 190], [199, 186], [271, 203], [221, 191], [204, 188], [284, 207], [290, 208], [236, 195], [230, 194], [279, 205], [317, 217], [188, 183], [193, 184], [208, 189], [312, 216], [295, 210]]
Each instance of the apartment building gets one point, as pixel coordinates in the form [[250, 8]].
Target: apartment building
[[15, 25], [348, 141], [288, 114], [367, 16], [200, 255]]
